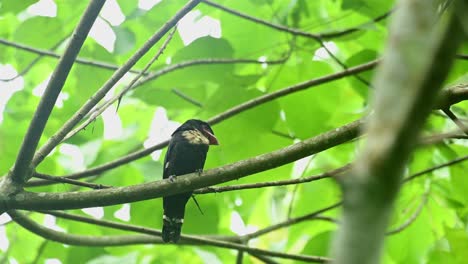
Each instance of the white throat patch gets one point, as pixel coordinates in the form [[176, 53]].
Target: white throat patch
[[195, 137]]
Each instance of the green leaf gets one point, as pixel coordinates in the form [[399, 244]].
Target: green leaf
[[13, 6], [125, 40]]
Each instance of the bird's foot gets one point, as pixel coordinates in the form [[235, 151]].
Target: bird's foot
[[199, 172], [172, 178]]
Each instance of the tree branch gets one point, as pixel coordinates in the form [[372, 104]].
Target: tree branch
[[121, 240], [22, 170], [118, 195], [414, 67]]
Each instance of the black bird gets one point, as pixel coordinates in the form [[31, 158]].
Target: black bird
[[186, 154]]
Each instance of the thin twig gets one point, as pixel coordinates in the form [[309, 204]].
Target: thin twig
[[440, 166], [413, 217], [51, 54], [39, 251], [348, 31], [342, 64], [158, 54], [71, 181], [186, 97], [289, 222]]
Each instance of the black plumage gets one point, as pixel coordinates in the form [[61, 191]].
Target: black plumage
[[186, 154]]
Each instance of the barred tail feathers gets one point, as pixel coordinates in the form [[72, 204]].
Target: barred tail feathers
[[171, 229]]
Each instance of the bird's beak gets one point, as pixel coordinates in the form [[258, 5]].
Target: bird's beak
[[213, 140]]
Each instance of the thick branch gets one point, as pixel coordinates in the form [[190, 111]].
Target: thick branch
[[71, 200], [21, 171], [413, 69]]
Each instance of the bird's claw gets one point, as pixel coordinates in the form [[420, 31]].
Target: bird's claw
[[199, 172], [172, 178]]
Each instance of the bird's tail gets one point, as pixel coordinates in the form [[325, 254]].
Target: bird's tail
[[171, 229]]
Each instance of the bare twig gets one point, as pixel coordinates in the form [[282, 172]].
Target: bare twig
[[186, 97], [289, 222]]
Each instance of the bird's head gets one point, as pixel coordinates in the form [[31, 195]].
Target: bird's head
[[197, 132]]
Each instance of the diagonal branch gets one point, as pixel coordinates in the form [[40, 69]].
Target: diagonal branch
[[70, 200], [22, 170], [32, 63], [124, 90]]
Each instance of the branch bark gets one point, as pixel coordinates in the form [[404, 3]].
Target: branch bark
[[111, 196], [415, 64]]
